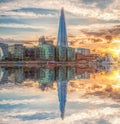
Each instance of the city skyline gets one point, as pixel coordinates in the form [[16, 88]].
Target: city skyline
[[90, 23]]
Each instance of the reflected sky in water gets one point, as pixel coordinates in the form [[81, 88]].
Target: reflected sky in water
[[63, 95]]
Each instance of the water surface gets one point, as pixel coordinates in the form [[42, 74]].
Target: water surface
[[62, 95]]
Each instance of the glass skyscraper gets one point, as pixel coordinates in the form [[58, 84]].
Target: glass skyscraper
[[62, 34]]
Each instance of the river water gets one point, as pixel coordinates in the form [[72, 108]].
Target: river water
[[60, 95]]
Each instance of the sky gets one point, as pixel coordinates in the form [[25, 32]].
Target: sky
[[88, 21]]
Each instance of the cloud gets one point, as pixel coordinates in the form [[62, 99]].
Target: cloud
[[87, 19], [107, 34], [22, 14], [78, 8], [14, 25], [37, 10], [9, 41]]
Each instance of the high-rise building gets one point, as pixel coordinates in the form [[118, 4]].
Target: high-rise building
[[62, 34]]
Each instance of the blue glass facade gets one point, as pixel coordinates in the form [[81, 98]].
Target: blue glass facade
[[62, 34]]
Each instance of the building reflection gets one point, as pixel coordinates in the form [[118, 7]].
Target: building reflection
[[46, 77], [62, 81], [3, 76]]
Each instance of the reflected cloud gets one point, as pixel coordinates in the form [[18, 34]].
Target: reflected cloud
[[82, 95]]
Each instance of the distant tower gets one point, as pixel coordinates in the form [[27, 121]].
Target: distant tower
[[62, 34], [62, 92], [41, 40]]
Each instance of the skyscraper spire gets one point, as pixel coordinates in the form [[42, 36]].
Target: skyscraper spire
[[62, 34]]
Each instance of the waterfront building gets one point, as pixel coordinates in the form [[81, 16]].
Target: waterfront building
[[1, 54], [70, 54], [30, 53], [83, 51], [16, 51], [4, 50], [60, 53], [46, 52]]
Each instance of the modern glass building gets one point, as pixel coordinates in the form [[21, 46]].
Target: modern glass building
[[62, 33], [4, 48], [46, 52], [16, 51]]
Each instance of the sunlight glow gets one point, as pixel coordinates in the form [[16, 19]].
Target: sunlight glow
[[115, 75], [115, 52], [115, 78], [116, 41]]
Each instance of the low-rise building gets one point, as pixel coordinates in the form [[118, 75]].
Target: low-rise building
[[16, 51], [30, 53], [46, 52], [4, 51], [61, 53], [70, 54]]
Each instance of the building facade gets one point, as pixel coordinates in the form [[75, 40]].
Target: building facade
[[46, 52], [5, 52], [16, 51]]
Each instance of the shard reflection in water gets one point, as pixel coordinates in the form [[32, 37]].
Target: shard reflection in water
[[62, 88], [62, 92]]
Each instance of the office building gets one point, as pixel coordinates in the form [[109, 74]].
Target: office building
[[46, 52], [4, 50], [16, 51]]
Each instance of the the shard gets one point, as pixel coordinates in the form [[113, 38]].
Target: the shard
[[62, 34]]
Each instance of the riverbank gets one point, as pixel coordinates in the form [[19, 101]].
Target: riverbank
[[44, 63]]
